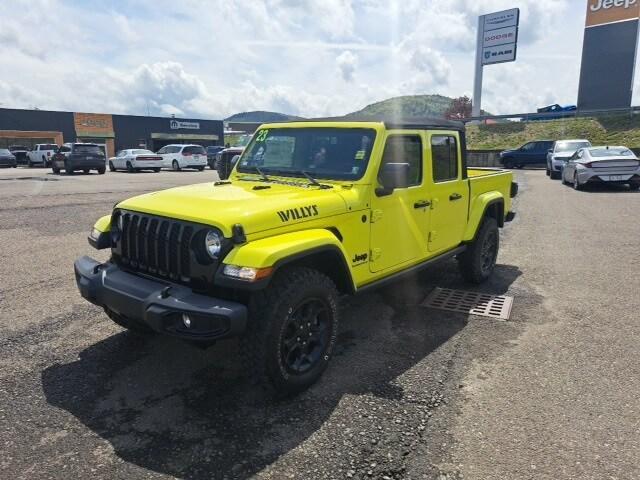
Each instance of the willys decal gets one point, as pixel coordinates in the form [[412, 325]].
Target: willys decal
[[298, 213]]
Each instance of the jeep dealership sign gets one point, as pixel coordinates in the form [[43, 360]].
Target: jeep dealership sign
[[610, 45], [497, 43], [500, 36]]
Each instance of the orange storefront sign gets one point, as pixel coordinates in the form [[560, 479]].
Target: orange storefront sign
[[601, 12], [93, 125]]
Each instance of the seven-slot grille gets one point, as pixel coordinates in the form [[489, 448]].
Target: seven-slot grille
[[156, 245]]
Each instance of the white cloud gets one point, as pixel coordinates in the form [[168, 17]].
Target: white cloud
[[347, 63], [306, 57]]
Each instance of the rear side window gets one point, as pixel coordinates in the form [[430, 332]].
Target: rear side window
[[444, 157], [196, 150], [405, 149], [49, 146]]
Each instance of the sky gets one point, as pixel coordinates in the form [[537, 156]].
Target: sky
[[213, 58]]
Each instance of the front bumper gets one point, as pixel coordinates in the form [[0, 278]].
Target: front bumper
[[160, 305]]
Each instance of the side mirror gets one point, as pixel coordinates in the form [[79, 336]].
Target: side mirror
[[392, 176], [550, 150]]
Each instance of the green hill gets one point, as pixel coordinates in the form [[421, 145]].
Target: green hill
[[410, 106], [603, 130], [261, 117]]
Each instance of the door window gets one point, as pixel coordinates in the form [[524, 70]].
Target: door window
[[528, 147], [405, 149], [444, 157]]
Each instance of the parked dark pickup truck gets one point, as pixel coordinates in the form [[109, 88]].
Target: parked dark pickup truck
[[528, 154]]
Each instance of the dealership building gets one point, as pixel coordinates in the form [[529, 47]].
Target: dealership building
[[115, 132]]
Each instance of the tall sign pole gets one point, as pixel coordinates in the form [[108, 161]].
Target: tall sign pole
[[477, 83], [497, 43]]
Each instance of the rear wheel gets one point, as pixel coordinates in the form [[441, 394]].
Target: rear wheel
[[112, 167], [129, 167], [201, 169], [67, 169], [555, 175], [175, 165], [85, 170], [576, 182], [634, 186], [479, 260], [55, 170], [102, 170], [156, 170], [293, 330], [508, 163]]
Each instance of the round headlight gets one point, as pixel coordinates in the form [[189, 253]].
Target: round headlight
[[213, 243]]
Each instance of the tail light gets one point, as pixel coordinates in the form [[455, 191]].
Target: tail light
[[186, 154]]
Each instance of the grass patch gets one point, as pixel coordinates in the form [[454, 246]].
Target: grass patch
[[603, 130]]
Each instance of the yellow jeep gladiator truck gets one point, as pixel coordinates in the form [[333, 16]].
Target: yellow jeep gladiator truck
[[311, 211]]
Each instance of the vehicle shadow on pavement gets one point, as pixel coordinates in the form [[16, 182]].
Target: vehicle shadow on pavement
[[172, 408]]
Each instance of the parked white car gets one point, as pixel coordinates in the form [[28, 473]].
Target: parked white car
[[135, 160], [562, 151], [178, 157], [41, 154], [602, 165]]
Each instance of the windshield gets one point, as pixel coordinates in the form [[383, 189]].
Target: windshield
[[611, 152], [329, 153], [143, 152], [17, 147], [87, 149], [570, 147], [4, 151]]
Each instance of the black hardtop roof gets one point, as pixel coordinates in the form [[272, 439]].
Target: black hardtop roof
[[415, 123]]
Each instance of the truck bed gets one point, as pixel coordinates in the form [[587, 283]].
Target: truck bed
[[487, 180]]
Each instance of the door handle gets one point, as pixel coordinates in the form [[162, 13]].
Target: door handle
[[455, 196], [422, 204]]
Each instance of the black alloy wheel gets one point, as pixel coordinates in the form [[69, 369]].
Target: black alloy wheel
[[305, 336]]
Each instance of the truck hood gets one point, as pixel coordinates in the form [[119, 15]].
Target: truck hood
[[257, 206]]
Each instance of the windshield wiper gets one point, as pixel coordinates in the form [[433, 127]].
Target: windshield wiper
[[312, 180], [262, 174]]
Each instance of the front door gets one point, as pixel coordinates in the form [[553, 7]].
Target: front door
[[400, 221], [449, 193]]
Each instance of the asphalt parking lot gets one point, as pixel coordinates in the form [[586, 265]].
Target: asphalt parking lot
[[411, 393]]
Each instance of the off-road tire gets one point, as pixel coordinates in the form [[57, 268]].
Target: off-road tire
[[473, 262], [128, 323], [112, 167], [271, 319]]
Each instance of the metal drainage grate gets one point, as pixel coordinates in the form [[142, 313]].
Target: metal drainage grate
[[474, 303]]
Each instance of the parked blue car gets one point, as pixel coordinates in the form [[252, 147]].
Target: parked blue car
[[560, 111], [528, 154]]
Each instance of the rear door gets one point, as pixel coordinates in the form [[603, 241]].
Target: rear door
[[400, 221], [449, 192]]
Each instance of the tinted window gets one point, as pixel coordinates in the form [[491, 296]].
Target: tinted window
[[444, 157], [611, 152], [331, 153], [529, 147], [196, 150], [142, 152], [4, 151], [64, 149], [405, 149], [49, 146], [93, 149]]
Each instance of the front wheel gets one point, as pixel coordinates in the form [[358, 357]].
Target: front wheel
[[112, 167], [129, 167], [102, 170], [508, 163], [175, 165], [294, 323], [479, 260], [634, 187], [201, 169]]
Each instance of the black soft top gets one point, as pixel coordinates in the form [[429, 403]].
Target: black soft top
[[415, 123]]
